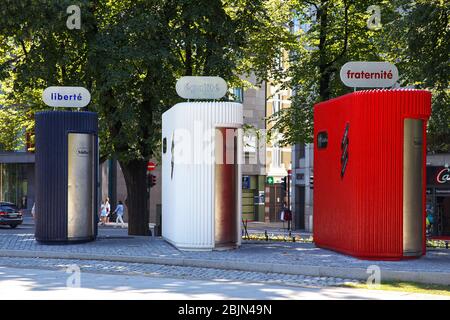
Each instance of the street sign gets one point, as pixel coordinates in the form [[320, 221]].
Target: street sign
[[369, 74], [245, 182], [270, 180], [201, 87], [151, 166], [66, 97]]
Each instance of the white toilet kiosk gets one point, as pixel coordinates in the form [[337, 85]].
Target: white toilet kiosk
[[201, 175]]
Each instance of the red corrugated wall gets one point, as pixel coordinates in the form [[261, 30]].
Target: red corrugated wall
[[362, 213]]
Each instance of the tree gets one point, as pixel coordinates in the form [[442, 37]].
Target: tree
[[414, 36], [422, 29], [129, 55]]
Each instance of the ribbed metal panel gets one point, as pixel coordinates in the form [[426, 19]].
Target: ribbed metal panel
[[362, 213], [52, 128], [188, 198]]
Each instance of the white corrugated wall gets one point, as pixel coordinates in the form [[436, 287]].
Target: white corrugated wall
[[188, 198]]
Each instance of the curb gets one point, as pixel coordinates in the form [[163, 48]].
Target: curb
[[315, 271]]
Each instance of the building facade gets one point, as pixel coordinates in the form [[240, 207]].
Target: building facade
[[278, 162], [254, 157], [17, 179], [302, 186], [438, 194]]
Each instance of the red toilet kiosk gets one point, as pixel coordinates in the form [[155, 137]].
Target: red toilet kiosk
[[369, 173]]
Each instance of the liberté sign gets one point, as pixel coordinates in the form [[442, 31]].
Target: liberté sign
[[201, 87], [66, 97], [369, 74]]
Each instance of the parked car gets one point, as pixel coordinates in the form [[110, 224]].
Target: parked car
[[10, 214]]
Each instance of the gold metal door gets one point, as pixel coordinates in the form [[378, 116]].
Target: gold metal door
[[80, 191], [412, 187]]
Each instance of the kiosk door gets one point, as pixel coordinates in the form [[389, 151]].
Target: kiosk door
[[80, 191], [412, 187], [225, 187]]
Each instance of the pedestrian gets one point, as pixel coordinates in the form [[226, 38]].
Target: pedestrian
[[286, 215], [119, 211], [33, 210], [103, 213], [108, 209]]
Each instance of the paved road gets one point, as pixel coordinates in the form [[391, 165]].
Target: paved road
[[171, 271], [17, 283], [115, 242]]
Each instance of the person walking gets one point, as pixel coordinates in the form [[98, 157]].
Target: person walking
[[103, 213], [33, 210], [108, 210], [119, 211]]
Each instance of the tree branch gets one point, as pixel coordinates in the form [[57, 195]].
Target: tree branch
[[24, 48]]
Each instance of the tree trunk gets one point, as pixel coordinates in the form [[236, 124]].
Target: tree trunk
[[324, 82], [135, 174]]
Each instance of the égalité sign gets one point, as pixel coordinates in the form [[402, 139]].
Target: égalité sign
[[201, 87]]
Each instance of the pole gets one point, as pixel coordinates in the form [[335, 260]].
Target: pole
[[288, 182]]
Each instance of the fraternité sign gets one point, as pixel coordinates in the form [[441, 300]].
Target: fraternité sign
[[369, 74]]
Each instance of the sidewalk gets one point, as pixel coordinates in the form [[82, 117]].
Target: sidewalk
[[259, 256]]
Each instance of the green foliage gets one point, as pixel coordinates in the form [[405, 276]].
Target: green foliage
[[420, 43], [130, 53], [414, 36]]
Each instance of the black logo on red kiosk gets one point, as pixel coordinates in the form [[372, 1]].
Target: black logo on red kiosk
[[344, 150]]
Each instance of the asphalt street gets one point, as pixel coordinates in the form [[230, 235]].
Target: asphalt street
[[18, 283]]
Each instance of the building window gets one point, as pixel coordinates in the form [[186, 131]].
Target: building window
[[250, 147], [277, 103], [322, 140], [238, 94], [14, 183]]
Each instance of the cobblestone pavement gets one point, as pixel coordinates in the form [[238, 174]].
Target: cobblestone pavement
[[157, 270], [116, 243]]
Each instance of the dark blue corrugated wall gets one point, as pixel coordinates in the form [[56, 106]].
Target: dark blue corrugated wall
[[52, 128]]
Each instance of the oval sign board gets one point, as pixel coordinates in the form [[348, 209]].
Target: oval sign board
[[66, 97], [369, 74], [201, 87]]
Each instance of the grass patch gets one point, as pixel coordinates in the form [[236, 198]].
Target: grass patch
[[437, 243], [411, 287], [279, 238]]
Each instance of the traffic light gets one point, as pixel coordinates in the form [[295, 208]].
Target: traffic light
[[284, 183], [151, 180], [311, 182]]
